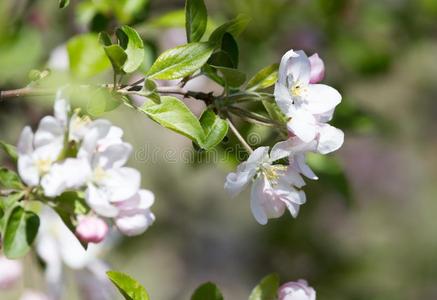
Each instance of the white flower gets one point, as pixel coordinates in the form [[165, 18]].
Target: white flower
[[10, 272], [298, 290], [134, 215], [308, 105], [274, 186]]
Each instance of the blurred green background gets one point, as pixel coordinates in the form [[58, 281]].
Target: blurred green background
[[368, 230]]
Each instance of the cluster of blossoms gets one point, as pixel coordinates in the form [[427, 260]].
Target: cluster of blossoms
[[70, 152], [309, 107]]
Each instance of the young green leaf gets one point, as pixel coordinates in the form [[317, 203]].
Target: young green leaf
[[101, 101], [10, 180], [274, 111], [175, 115], [215, 129], [233, 77], [196, 18], [264, 78], [234, 27], [180, 61], [6, 205], [63, 3], [20, 232], [105, 39], [86, 56], [230, 47], [10, 150], [128, 287], [267, 289], [207, 291], [117, 56], [133, 45]]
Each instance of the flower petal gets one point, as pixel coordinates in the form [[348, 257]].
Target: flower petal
[[330, 139], [317, 68], [61, 109], [135, 224], [283, 98], [299, 68], [303, 125], [49, 130], [114, 156], [321, 98], [98, 200], [121, 183], [257, 199], [236, 182], [283, 67], [28, 170], [25, 142]]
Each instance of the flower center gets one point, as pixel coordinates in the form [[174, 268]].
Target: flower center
[[99, 174], [297, 90], [79, 122], [273, 173], [43, 165]]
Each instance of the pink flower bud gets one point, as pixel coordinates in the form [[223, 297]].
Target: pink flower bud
[[33, 295], [10, 272], [317, 68], [91, 229], [296, 291]]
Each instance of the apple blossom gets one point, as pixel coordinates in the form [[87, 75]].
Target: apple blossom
[[298, 290], [275, 187], [317, 68], [308, 105], [91, 229], [10, 272]]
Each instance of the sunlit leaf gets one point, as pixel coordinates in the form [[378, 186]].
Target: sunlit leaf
[[133, 45], [264, 78], [10, 180], [196, 19], [215, 129], [128, 287], [10, 150], [267, 289]]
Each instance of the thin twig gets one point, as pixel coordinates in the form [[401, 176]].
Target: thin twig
[[239, 137]]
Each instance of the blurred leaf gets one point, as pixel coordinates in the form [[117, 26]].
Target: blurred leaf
[[234, 27], [86, 56], [230, 47], [20, 232], [10, 180], [267, 289], [101, 100], [207, 291], [221, 59], [180, 61], [105, 39], [127, 10], [264, 78], [117, 56], [63, 3], [232, 77], [171, 19], [196, 18], [215, 129], [128, 287], [10, 150], [6, 205], [175, 115], [133, 45], [212, 74]]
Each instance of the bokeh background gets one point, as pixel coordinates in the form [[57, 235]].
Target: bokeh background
[[368, 230]]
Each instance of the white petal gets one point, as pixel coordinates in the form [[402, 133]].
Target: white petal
[[330, 139], [293, 201], [136, 224], [259, 156], [122, 183], [281, 150], [321, 98], [303, 125], [283, 67], [70, 174], [257, 199], [113, 137], [283, 98], [28, 170], [236, 182], [98, 200], [325, 117], [25, 142], [301, 165], [114, 156], [61, 109], [49, 130], [97, 131], [300, 68], [137, 204], [292, 177]]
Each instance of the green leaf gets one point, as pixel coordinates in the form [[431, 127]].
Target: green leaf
[[233, 77], [117, 56], [128, 287], [207, 291], [230, 47], [274, 111], [20, 232], [221, 59], [212, 74], [234, 27], [171, 19], [63, 3], [127, 10], [264, 78], [105, 39], [86, 56], [101, 101], [180, 61], [10, 150], [267, 289], [6, 204], [215, 129], [196, 18], [175, 115], [10, 180], [133, 45]]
